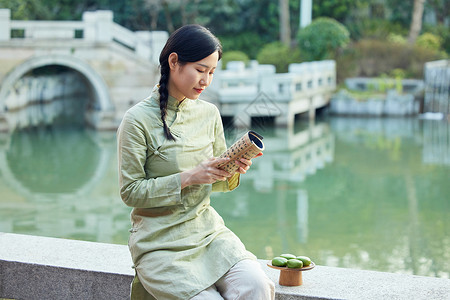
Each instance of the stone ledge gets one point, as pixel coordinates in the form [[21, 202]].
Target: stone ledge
[[34, 267]]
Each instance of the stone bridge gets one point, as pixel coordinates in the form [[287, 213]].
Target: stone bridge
[[93, 70], [95, 61]]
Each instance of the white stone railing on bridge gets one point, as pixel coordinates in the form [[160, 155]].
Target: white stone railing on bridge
[[95, 26], [238, 83]]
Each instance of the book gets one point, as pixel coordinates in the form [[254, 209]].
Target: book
[[248, 146]]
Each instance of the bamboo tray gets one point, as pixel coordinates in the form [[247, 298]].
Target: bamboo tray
[[291, 276]]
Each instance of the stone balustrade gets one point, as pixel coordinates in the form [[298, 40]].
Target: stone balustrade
[[95, 26], [238, 83]]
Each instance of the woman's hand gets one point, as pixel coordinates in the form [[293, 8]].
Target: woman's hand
[[244, 164], [205, 173]]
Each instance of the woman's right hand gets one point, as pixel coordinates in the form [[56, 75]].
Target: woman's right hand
[[205, 173]]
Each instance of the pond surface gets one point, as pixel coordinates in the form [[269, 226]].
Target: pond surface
[[369, 194]]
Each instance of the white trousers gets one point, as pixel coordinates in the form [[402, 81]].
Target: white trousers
[[246, 280]]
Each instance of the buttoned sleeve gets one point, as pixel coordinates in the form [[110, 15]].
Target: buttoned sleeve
[[219, 147], [138, 189]]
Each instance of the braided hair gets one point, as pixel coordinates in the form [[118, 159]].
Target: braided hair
[[191, 43]]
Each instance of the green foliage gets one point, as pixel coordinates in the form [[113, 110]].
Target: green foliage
[[399, 75], [419, 56], [51, 9], [374, 28], [247, 42], [398, 80], [242, 25], [248, 25], [346, 64], [396, 38], [401, 11], [27, 9], [429, 41], [279, 55], [384, 83], [337, 9], [443, 32], [322, 38], [440, 8], [234, 56], [126, 13], [375, 57]]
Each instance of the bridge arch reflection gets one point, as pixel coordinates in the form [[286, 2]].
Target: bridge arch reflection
[[45, 163]]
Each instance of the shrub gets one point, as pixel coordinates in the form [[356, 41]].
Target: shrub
[[429, 41], [234, 56], [346, 64], [376, 57], [322, 38], [419, 56], [441, 31], [398, 75], [279, 55], [396, 38]]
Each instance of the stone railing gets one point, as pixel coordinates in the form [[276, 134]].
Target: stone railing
[[95, 26], [240, 83], [378, 97]]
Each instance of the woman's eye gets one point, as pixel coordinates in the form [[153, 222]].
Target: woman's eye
[[200, 71]]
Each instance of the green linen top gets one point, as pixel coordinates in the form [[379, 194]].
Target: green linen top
[[178, 242]]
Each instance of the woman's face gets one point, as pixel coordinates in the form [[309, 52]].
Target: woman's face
[[190, 79]]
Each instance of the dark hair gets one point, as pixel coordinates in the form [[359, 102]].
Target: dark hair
[[191, 43]]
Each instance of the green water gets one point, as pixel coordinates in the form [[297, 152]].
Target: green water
[[358, 193]]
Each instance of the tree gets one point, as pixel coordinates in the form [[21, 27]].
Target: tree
[[166, 6], [322, 39], [285, 29], [416, 22], [279, 55], [153, 7], [339, 10]]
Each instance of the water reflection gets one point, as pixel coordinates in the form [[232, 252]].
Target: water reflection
[[34, 159], [359, 193], [291, 155], [377, 204], [61, 182]]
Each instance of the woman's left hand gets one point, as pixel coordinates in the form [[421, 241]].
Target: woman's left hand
[[244, 164]]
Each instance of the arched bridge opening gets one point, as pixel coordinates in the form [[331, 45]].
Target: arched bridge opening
[[53, 91], [52, 95]]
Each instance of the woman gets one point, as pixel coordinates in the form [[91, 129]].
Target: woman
[[168, 149]]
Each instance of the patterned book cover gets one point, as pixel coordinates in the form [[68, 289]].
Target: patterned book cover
[[248, 146]]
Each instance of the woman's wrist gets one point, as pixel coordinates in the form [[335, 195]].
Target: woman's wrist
[[185, 179]]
